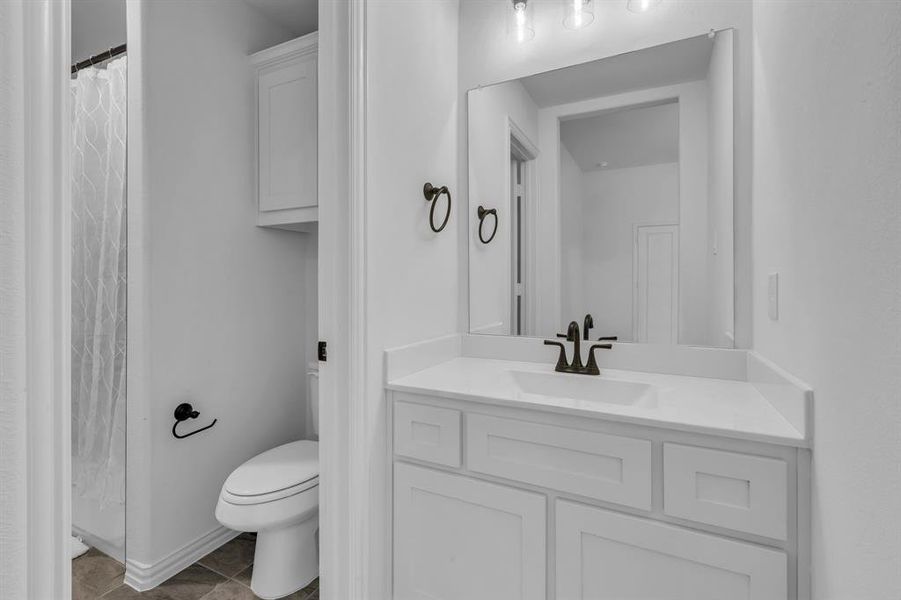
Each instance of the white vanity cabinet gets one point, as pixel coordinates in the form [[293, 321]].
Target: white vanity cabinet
[[497, 502], [458, 537], [286, 134]]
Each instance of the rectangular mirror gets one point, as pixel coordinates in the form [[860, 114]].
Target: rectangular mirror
[[606, 189]]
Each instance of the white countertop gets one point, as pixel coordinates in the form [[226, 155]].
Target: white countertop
[[723, 407]]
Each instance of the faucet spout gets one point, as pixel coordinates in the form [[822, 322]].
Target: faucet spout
[[587, 325], [572, 334]]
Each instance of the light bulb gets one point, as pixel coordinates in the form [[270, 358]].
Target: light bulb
[[577, 13], [521, 21], [640, 6]]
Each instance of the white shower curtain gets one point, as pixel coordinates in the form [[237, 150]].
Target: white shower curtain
[[98, 283]]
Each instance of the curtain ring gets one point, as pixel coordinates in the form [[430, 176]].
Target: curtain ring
[[483, 212], [432, 194]]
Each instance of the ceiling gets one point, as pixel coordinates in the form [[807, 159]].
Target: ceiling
[[630, 137], [668, 64], [300, 17]]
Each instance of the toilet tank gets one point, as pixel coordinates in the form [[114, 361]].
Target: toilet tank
[[313, 387]]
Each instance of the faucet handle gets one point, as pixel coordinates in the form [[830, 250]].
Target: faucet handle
[[609, 338], [562, 363], [592, 367]]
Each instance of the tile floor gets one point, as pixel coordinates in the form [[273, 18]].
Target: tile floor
[[223, 574]]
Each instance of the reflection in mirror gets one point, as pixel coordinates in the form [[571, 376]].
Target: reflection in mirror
[[613, 185]]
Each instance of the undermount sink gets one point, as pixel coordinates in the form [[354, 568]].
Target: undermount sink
[[585, 388]]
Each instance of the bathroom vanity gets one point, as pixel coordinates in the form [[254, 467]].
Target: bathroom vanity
[[513, 481], [681, 472]]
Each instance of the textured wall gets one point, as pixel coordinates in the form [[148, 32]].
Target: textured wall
[[827, 217], [12, 306]]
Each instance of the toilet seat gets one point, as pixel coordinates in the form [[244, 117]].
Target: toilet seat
[[278, 473]]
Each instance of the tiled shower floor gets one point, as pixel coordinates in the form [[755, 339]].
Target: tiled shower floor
[[223, 574]]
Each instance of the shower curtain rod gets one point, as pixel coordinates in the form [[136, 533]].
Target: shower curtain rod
[[98, 58]]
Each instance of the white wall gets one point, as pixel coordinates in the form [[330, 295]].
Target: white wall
[[411, 285], [97, 25], [614, 202], [693, 242], [490, 111], [720, 196], [827, 218], [216, 305], [487, 56], [572, 200]]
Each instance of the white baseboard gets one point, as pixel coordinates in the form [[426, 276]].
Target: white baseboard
[[143, 577], [95, 541]]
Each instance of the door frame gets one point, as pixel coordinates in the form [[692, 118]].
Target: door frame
[[636, 228], [344, 459], [526, 151], [43, 452], [40, 444]]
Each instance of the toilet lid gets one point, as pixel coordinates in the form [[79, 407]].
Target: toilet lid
[[283, 467]]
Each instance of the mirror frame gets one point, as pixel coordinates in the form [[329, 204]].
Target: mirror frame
[[740, 333]]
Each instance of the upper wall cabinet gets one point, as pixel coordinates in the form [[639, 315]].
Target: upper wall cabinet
[[287, 134]]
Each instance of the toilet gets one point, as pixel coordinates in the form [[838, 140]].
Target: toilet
[[276, 494]]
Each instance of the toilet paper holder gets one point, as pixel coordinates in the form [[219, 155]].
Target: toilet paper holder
[[183, 412]]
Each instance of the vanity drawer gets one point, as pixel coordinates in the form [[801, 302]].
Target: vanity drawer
[[427, 433], [606, 467], [736, 491]]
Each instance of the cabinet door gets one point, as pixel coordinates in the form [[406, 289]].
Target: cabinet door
[[457, 538], [288, 135], [603, 555]]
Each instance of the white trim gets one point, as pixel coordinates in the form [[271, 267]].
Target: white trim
[[43, 528], [143, 576], [519, 144], [302, 46], [358, 514], [344, 459], [91, 540]]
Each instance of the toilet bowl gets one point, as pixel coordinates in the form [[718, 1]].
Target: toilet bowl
[[276, 494]]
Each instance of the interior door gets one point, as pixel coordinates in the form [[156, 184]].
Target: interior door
[[655, 317]]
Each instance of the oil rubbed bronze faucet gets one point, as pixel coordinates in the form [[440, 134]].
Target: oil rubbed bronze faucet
[[587, 325], [576, 367]]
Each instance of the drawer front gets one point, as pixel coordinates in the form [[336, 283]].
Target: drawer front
[[427, 433], [736, 491], [606, 467]]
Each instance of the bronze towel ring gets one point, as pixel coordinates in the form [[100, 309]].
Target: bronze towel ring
[[431, 194], [483, 212]]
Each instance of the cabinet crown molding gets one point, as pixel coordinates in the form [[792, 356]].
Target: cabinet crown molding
[[302, 46]]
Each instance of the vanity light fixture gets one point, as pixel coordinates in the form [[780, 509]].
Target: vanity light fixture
[[640, 6], [577, 14], [520, 26]]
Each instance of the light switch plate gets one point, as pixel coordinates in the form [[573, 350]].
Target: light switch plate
[[773, 296]]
